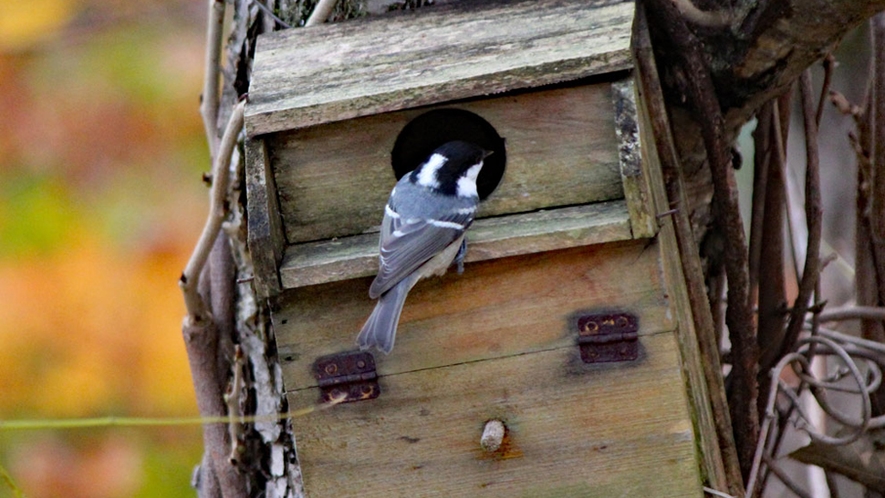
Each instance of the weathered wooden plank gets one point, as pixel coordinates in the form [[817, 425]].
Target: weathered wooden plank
[[698, 384], [637, 190], [574, 430], [496, 308], [357, 256], [334, 179], [265, 232], [305, 77]]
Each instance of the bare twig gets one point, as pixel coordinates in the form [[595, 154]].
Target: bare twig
[[715, 297], [811, 272], [829, 64], [769, 417], [871, 192], [877, 195], [710, 19], [857, 341], [739, 316], [777, 339], [772, 296], [870, 244], [784, 477], [868, 257], [320, 13], [849, 350], [209, 97], [201, 340], [189, 281], [853, 313], [761, 160], [713, 492], [730, 472], [830, 347], [783, 130], [843, 105], [267, 10], [832, 485]]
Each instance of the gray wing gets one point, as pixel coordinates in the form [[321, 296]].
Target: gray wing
[[407, 243]]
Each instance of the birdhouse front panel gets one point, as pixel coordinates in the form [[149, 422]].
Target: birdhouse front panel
[[553, 366], [499, 343], [556, 140]]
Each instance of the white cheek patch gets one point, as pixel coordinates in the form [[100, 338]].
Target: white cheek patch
[[467, 183], [473, 171], [427, 175]]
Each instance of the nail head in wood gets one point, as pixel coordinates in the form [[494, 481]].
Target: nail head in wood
[[492, 436]]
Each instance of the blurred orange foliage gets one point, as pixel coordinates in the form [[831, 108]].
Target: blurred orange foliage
[[88, 331], [100, 205]]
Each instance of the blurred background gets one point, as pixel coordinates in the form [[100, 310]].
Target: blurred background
[[101, 202]]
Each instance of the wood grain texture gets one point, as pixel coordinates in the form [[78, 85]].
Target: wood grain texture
[[690, 356], [306, 77], [701, 390], [357, 256], [497, 308], [334, 179], [573, 430], [265, 232], [632, 153]]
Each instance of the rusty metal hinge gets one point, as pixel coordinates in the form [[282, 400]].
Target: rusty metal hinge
[[608, 337], [350, 374]]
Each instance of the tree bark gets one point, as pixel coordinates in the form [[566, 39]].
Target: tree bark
[[753, 59]]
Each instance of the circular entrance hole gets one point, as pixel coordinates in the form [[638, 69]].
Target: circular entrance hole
[[422, 135]]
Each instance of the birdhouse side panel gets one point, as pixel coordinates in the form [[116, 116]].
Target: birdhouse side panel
[[333, 180]]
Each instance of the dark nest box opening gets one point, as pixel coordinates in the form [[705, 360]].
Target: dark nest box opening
[[425, 133]]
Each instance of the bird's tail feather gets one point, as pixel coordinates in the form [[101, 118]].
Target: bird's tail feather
[[380, 329]]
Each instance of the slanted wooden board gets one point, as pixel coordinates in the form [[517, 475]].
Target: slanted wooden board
[[306, 77], [562, 150], [343, 258]]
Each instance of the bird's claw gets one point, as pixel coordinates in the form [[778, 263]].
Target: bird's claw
[[459, 258]]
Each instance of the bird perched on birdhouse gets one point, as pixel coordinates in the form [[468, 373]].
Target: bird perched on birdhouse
[[553, 366]]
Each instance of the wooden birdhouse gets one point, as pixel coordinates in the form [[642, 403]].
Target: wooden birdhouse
[[559, 363]]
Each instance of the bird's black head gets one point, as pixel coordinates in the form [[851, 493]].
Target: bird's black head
[[449, 167]]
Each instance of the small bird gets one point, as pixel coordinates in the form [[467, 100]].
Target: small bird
[[422, 233]]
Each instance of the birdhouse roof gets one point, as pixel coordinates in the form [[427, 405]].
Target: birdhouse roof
[[333, 72]]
